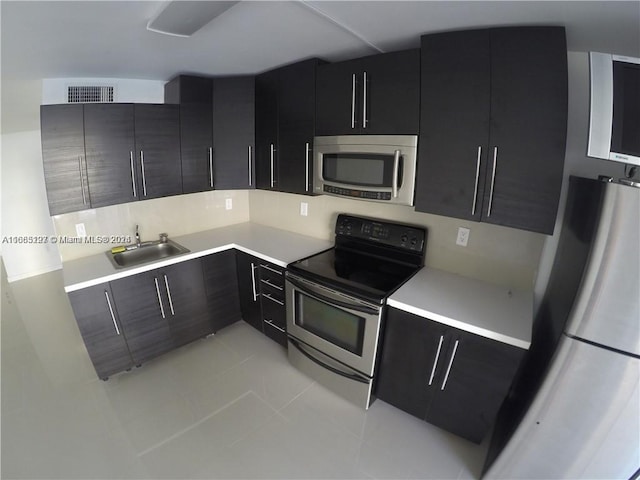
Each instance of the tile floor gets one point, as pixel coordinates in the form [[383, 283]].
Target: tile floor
[[229, 406]]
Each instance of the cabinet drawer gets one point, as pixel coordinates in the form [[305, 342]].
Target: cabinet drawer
[[271, 274], [273, 310]]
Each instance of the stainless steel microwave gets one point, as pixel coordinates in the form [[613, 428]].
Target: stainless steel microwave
[[378, 168]]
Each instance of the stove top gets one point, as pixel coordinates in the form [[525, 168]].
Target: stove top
[[371, 258]]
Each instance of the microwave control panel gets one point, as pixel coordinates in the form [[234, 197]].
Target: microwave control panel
[[406, 237], [353, 193]]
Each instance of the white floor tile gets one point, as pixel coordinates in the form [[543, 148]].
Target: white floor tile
[[229, 406]]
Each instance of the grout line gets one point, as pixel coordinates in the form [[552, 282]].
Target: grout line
[[192, 426]]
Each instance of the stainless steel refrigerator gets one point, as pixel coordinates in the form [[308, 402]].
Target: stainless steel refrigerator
[[574, 411]]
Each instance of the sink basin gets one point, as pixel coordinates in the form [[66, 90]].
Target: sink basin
[[147, 252]]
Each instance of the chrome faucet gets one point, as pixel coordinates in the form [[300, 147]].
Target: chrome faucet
[[138, 243]]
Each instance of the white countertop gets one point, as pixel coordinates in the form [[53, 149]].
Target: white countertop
[[472, 305], [271, 244]]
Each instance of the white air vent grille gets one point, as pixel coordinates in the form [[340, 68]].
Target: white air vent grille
[[89, 94]]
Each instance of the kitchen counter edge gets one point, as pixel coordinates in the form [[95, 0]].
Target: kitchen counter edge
[[491, 311], [279, 247]]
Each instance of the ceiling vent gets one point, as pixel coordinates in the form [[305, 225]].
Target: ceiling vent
[[89, 94]]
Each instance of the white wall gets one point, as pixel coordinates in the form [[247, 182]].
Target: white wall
[[25, 211], [576, 161], [54, 90]]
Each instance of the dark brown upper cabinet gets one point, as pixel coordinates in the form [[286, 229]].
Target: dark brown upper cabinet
[[493, 125], [64, 160], [216, 131], [285, 127], [377, 95]]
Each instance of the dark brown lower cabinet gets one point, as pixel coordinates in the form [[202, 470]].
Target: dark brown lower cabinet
[[448, 377], [262, 300], [221, 286], [101, 329]]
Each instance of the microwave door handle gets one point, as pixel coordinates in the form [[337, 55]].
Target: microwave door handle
[[317, 361], [396, 168], [338, 303]]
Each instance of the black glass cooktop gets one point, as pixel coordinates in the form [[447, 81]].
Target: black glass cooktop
[[356, 273]]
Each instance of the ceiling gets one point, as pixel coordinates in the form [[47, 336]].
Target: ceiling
[[52, 39]]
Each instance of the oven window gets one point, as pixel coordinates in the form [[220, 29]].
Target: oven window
[[333, 324], [359, 169]]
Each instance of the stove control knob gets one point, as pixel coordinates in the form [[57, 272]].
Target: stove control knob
[[414, 240], [403, 238]]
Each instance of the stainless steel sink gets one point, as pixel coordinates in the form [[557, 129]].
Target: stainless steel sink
[[145, 253]]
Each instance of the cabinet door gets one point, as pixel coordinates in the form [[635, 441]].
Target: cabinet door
[[63, 155], [337, 99], [475, 377], [109, 140], [248, 288], [221, 285], [390, 93], [157, 133], [185, 301], [143, 315], [266, 130], [103, 335], [454, 123], [196, 147], [296, 126], [528, 127], [234, 132], [412, 355]]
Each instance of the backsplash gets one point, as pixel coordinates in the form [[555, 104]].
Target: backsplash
[[500, 255], [176, 215]]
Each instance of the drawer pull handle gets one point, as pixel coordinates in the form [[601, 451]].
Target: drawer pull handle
[[272, 285], [113, 317], [155, 279], [453, 355], [435, 360], [266, 295], [271, 269], [269, 322]]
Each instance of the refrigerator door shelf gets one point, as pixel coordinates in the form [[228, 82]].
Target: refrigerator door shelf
[[583, 423]]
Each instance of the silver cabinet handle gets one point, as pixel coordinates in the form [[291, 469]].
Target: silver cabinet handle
[[353, 101], [493, 179], [272, 151], [396, 168], [84, 198], [364, 100], [453, 355], [250, 165], [155, 279], [211, 167], [306, 166], [113, 317], [266, 295], [272, 285], [253, 282], [475, 190], [271, 269], [166, 284], [133, 175], [144, 180], [435, 360], [274, 325]]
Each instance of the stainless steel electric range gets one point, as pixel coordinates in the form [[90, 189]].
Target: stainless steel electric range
[[336, 301]]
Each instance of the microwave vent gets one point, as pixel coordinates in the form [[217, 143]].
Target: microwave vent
[[89, 94]]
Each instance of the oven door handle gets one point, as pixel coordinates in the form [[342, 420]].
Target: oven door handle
[[322, 298], [350, 376]]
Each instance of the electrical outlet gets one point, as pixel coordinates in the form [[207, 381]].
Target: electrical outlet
[[304, 209], [80, 230], [228, 203], [463, 236]]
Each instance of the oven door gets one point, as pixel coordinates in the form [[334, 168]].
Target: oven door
[[340, 326]]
